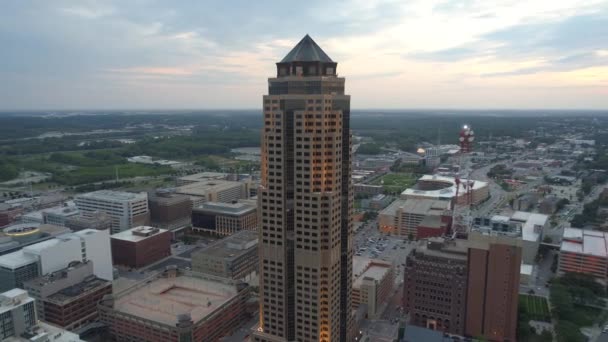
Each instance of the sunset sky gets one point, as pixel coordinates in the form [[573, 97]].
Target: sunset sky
[[218, 54]]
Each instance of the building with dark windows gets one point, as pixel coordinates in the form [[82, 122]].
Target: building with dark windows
[[224, 218], [306, 202], [465, 287], [169, 211]]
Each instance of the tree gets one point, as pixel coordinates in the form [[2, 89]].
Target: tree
[[547, 239], [410, 236], [369, 148], [369, 215]]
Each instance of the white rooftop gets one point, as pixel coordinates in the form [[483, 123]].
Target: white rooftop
[[111, 195], [532, 228], [446, 193], [526, 269], [587, 242], [16, 259], [131, 234], [13, 298]]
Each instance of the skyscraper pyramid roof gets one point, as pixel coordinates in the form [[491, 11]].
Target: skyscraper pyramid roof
[[307, 51]]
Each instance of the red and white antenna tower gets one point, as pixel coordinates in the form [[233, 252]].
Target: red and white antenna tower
[[461, 216]]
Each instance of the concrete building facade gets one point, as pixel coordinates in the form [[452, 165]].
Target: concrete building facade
[[127, 209], [234, 257], [306, 202], [372, 284]]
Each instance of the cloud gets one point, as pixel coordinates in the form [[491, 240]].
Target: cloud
[[199, 53]]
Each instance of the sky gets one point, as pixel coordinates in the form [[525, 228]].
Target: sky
[[202, 54]]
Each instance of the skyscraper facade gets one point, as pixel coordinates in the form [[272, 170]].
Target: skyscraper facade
[[305, 200]]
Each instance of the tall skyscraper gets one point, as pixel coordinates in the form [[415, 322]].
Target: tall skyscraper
[[305, 202]]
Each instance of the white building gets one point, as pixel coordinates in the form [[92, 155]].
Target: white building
[[19, 322], [127, 209], [55, 254]]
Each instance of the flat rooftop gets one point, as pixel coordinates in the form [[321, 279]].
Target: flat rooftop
[[16, 259], [417, 206], [445, 248], [204, 187], [231, 246], [13, 298], [446, 193], [203, 176], [111, 195], [369, 268], [238, 208], [90, 284], [588, 242], [138, 233], [163, 299]]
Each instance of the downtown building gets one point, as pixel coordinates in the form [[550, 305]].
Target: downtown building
[[127, 209], [465, 287], [305, 202]]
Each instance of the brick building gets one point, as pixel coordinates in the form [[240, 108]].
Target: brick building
[[68, 298], [176, 306], [465, 287], [140, 246]]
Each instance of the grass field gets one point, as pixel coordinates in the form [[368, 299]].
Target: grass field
[[536, 306], [395, 182]]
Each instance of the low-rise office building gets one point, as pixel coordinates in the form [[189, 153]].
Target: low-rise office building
[[584, 251], [224, 218], [176, 306], [68, 298], [373, 282], [19, 322], [234, 257], [59, 215], [140, 246]]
